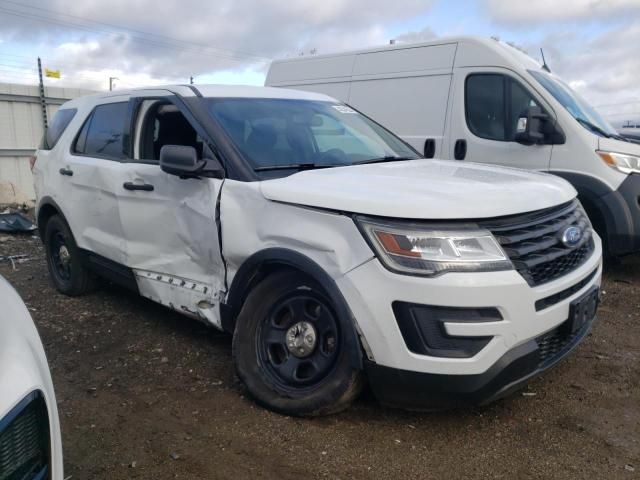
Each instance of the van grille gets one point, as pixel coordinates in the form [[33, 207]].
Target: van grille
[[24, 441], [533, 242]]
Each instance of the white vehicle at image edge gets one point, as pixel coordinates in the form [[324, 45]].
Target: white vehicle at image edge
[[326, 245], [481, 100], [30, 443]]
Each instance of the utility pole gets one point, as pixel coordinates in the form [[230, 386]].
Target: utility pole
[[111, 79], [43, 101], [190, 80]]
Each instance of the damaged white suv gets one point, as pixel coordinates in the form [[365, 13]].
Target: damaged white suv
[[324, 243]]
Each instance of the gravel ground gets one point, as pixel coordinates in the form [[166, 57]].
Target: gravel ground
[[146, 393]]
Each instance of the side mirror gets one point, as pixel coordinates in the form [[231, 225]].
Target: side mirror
[[183, 161], [180, 160], [530, 126]]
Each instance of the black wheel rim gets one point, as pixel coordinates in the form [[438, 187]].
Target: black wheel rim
[[60, 257], [290, 368]]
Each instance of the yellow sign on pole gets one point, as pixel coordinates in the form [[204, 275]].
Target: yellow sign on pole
[[51, 73]]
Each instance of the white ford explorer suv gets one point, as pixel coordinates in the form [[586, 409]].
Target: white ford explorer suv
[[324, 243], [30, 443]]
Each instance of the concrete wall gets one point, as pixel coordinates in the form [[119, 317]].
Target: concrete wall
[[21, 129]]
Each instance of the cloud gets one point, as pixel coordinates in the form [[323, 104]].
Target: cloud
[[424, 35], [604, 69], [542, 11], [226, 35]]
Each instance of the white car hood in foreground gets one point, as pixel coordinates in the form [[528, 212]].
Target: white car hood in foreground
[[24, 369], [422, 189]]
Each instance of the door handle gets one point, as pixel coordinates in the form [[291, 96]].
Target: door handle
[[145, 187], [460, 149], [429, 148], [66, 172]]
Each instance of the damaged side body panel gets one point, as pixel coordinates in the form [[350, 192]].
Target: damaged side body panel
[[172, 242], [251, 223]]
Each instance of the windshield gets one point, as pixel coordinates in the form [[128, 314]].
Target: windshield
[[284, 133], [574, 104]]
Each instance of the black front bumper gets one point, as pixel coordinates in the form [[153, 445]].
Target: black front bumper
[[427, 391]]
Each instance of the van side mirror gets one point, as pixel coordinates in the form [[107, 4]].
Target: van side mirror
[[530, 128], [183, 161], [535, 127]]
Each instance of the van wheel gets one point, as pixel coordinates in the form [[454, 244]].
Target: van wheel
[[67, 272], [290, 351]]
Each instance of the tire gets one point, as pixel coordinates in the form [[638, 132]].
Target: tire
[[318, 379], [64, 261]]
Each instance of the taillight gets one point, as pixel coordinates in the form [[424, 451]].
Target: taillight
[[32, 162]]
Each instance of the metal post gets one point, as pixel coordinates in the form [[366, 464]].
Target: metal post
[[191, 80], [43, 102]]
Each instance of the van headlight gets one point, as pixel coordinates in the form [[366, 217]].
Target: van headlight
[[621, 161], [412, 249]]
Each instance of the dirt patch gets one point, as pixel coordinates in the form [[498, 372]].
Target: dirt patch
[[146, 393]]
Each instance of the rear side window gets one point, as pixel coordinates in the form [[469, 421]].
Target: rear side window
[[493, 104], [102, 133], [60, 122]]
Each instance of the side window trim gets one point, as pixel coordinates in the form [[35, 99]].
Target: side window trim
[[135, 105], [87, 122], [507, 82], [67, 115], [82, 135]]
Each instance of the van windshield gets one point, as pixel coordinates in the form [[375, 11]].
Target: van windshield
[[579, 108], [280, 134]]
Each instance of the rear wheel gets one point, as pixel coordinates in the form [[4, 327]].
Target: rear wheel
[[290, 350], [66, 270]]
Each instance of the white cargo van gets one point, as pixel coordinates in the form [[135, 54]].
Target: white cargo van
[[481, 100]]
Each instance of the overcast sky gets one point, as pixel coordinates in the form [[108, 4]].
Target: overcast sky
[[592, 44]]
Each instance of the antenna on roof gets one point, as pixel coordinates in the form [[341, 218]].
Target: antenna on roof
[[544, 62]]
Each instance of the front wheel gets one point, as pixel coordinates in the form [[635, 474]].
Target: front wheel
[[290, 350]]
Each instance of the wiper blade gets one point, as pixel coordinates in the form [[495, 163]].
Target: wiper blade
[[620, 137], [310, 166], [388, 158], [592, 127], [293, 166]]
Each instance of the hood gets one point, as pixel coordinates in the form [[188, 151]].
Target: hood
[[619, 146], [23, 366], [422, 189]]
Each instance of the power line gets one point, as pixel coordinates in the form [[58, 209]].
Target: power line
[[138, 32], [630, 102], [52, 62], [17, 67], [172, 44], [623, 114]]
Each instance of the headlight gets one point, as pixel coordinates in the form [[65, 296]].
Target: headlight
[[621, 161], [410, 248]]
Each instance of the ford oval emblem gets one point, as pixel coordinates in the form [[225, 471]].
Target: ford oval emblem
[[571, 236]]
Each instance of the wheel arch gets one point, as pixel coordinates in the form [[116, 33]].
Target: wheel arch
[[47, 208], [266, 262], [606, 208]]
